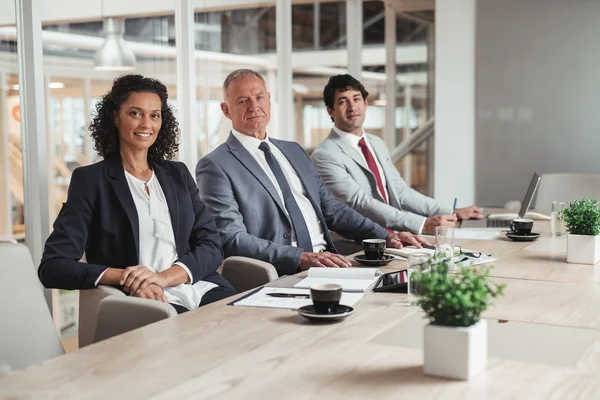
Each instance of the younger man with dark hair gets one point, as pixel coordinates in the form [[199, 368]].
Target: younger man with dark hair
[[358, 170]]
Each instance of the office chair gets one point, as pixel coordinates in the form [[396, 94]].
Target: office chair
[[566, 187], [28, 335]]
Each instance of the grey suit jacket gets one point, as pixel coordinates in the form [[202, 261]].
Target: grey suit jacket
[[250, 214], [347, 175]]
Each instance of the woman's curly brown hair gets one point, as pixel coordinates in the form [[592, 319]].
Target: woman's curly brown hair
[[104, 130]]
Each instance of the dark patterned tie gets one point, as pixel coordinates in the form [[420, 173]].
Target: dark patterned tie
[[373, 167], [302, 234]]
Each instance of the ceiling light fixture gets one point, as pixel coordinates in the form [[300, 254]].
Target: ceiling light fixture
[[51, 85], [114, 55], [56, 85]]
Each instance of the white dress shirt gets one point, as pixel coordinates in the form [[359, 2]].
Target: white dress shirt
[[158, 250], [353, 140], [313, 223]]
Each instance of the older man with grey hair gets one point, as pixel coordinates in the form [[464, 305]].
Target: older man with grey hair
[[267, 198]]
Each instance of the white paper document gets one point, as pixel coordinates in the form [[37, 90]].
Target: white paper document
[[262, 298], [350, 279], [465, 260], [476, 234], [458, 258], [405, 251], [552, 244]]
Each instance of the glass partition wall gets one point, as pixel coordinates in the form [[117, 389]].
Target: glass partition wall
[[12, 223], [76, 76]]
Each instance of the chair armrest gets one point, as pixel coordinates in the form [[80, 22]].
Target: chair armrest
[[247, 273], [120, 314], [110, 290], [89, 302]]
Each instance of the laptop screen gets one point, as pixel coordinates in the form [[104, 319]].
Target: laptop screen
[[535, 181]]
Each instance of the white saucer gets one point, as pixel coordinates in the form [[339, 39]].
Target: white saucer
[[310, 313], [374, 263]]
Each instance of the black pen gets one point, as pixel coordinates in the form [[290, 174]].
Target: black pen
[[293, 295]]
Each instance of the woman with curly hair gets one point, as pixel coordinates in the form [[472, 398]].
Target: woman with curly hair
[[136, 215]]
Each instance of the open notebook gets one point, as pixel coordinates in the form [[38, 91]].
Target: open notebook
[[405, 251], [261, 298], [350, 279]]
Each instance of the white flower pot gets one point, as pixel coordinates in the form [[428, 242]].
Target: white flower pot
[[583, 249], [455, 352]]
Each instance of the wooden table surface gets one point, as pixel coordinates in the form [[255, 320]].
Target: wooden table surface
[[242, 352]]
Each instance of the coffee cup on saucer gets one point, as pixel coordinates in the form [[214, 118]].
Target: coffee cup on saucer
[[521, 226], [326, 297], [374, 248]]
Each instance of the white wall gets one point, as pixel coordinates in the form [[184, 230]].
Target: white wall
[[454, 102], [538, 93]]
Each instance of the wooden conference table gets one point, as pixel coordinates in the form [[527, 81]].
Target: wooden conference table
[[242, 352]]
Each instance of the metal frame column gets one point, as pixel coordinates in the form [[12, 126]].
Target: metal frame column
[[186, 82], [317, 26], [88, 149], [406, 132], [6, 226], [430, 106], [33, 125], [390, 72], [51, 171], [285, 96], [272, 84], [354, 35]]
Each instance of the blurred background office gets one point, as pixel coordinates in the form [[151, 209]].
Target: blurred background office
[[471, 96]]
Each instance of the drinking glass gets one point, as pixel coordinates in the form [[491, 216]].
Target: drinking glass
[[444, 245], [557, 226], [417, 261]]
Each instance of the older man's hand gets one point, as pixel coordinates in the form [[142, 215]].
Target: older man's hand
[[324, 259]]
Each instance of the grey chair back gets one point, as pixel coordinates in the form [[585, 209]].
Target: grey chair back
[[566, 187], [27, 333]]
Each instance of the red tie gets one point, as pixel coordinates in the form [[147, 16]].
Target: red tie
[[372, 166]]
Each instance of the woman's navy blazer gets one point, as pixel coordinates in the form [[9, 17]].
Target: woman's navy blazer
[[100, 218]]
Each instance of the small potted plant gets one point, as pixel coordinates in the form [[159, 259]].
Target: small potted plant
[[582, 219], [455, 340]]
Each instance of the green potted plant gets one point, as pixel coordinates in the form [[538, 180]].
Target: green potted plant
[[582, 219], [455, 340]]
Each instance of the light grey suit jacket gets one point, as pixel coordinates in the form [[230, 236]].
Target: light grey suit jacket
[[345, 172], [250, 214]]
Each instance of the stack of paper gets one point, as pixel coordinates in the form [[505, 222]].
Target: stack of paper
[[405, 251], [350, 279], [458, 258], [261, 298], [477, 234]]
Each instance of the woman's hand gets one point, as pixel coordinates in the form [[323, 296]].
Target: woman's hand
[[136, 278], [152, 292]]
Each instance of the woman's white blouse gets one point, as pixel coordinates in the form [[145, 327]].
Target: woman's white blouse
[[158, 251]]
